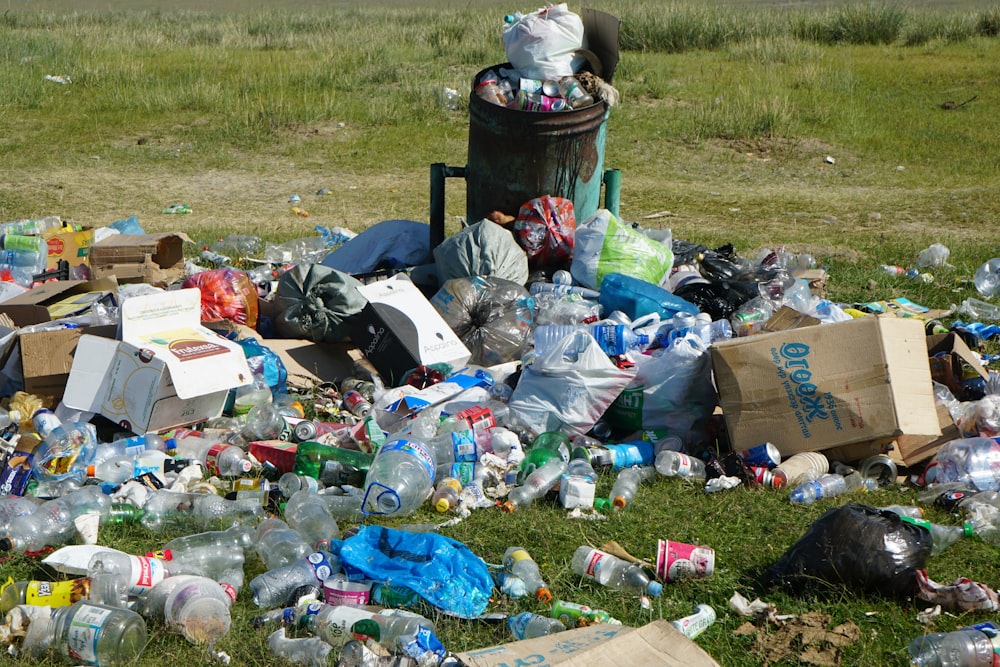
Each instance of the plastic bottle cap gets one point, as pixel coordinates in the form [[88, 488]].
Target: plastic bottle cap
[[368, 628], [619, 502], [508, 506], [6, 544], [442, 505], [544, 595], [90, 471], [654, 588], [601, 504]]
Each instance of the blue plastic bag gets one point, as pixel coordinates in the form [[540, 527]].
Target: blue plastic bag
[[443, 571], [264, 362]]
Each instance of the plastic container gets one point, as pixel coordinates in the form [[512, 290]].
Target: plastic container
[[277, 545], [446, 494], [695, 624], [400, 478], [637, 298], [576, 97]]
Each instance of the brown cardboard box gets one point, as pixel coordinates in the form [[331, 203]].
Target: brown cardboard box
[[156, 259], [826, 386], [601, 645]]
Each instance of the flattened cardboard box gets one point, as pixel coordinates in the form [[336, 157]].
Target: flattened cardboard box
[[825, 386], [601, 645]]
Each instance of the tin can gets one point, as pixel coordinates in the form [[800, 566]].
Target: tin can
[[773, 479], [308, 429], [363, 387], [356, 403], [765, 454]]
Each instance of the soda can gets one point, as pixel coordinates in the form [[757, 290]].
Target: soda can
[[363, 387], [356, 403], [310, 430], [769, 478], [766, 455], [550, 88]]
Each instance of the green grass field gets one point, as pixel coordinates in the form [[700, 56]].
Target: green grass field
[[728, 113]]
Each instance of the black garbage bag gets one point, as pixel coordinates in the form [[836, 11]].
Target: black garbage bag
[[718, 299], [316, 302], [492, 316], [857, 547]]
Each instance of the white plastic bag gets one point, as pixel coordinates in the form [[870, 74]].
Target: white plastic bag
[[606, 245], [569, 387], [540, 45], [672, 392]]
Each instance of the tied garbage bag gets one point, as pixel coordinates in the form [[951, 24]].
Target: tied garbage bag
[[482, 249], [604, 245], [568, 387], [857, 547], [316, 302], [492, 316], [226, 294], [443, 571], [545, 228], [541, 45], [672, 391]]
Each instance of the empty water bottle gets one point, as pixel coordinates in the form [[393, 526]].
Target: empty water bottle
[[969, 647], [675, 464], [306, 512], [273, 588], [614, 339], [277, 545], [987, 278], [613, 572], [91, 633], [400, 478], [528, 625], [827, 486], [518, 562], [626, 486], [536, 485], [310, 651]]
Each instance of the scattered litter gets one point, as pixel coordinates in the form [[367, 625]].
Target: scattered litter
[[927, 616], [829, 160], [58, 78]]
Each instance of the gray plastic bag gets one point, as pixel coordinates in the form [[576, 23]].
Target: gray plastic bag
[[482, 249], [316, 302]]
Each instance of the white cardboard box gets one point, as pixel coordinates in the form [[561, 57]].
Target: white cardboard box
[[399, 330], [168, 370]]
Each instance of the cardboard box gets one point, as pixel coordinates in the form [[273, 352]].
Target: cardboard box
[[156, 259], [601, 645], [399, 330], [826, 386], [32, 307], [70, 245], [167, 371]]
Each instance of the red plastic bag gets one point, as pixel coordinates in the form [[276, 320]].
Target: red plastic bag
[[226, 294], [545, 228]]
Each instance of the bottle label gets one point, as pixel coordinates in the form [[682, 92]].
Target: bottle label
[[464, 472], [84, 633], [146, 573], [478, 418], [56, 593], [592, 566], [320, 565], [415, 449], [519, 624], [464, 445], [683, 465], [212, 458]]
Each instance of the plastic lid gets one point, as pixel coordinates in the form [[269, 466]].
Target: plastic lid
[[442, 505], [6, 544], [508, 506], [968, 529], [368, 628], [642, 339], [654, 588], [90, 471], [544, 595], [601, 504], [619, 502]]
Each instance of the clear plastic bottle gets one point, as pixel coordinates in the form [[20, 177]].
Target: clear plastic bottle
[[52, 523], [197, 511], [249, 395], [446, 494], [331, 623], [968, 647], [90, 633], [575, 95], [391, 630], [614, 339], [528, 625], [65, 452], [264, 422], [987, 278], [675, 464], [195, 606], [519, 562], [827, 486], [272, 588], [12, 507], [626, 486], [310, 651], [400, 478], [307, 513], [911, 511], [216, 562], [219, 458], [345, 508], [277, 545], [240, 536], [125, 467], [536, 485], [613, 572], [942, 536]]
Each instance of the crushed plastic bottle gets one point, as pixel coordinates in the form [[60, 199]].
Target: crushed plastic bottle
[[968, 647], [527, 625], [272, 588], [695, 624], [536, 485], [987, 278], [400, 478]]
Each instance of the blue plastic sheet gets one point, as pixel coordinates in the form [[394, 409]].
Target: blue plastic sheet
[[443, 571]]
